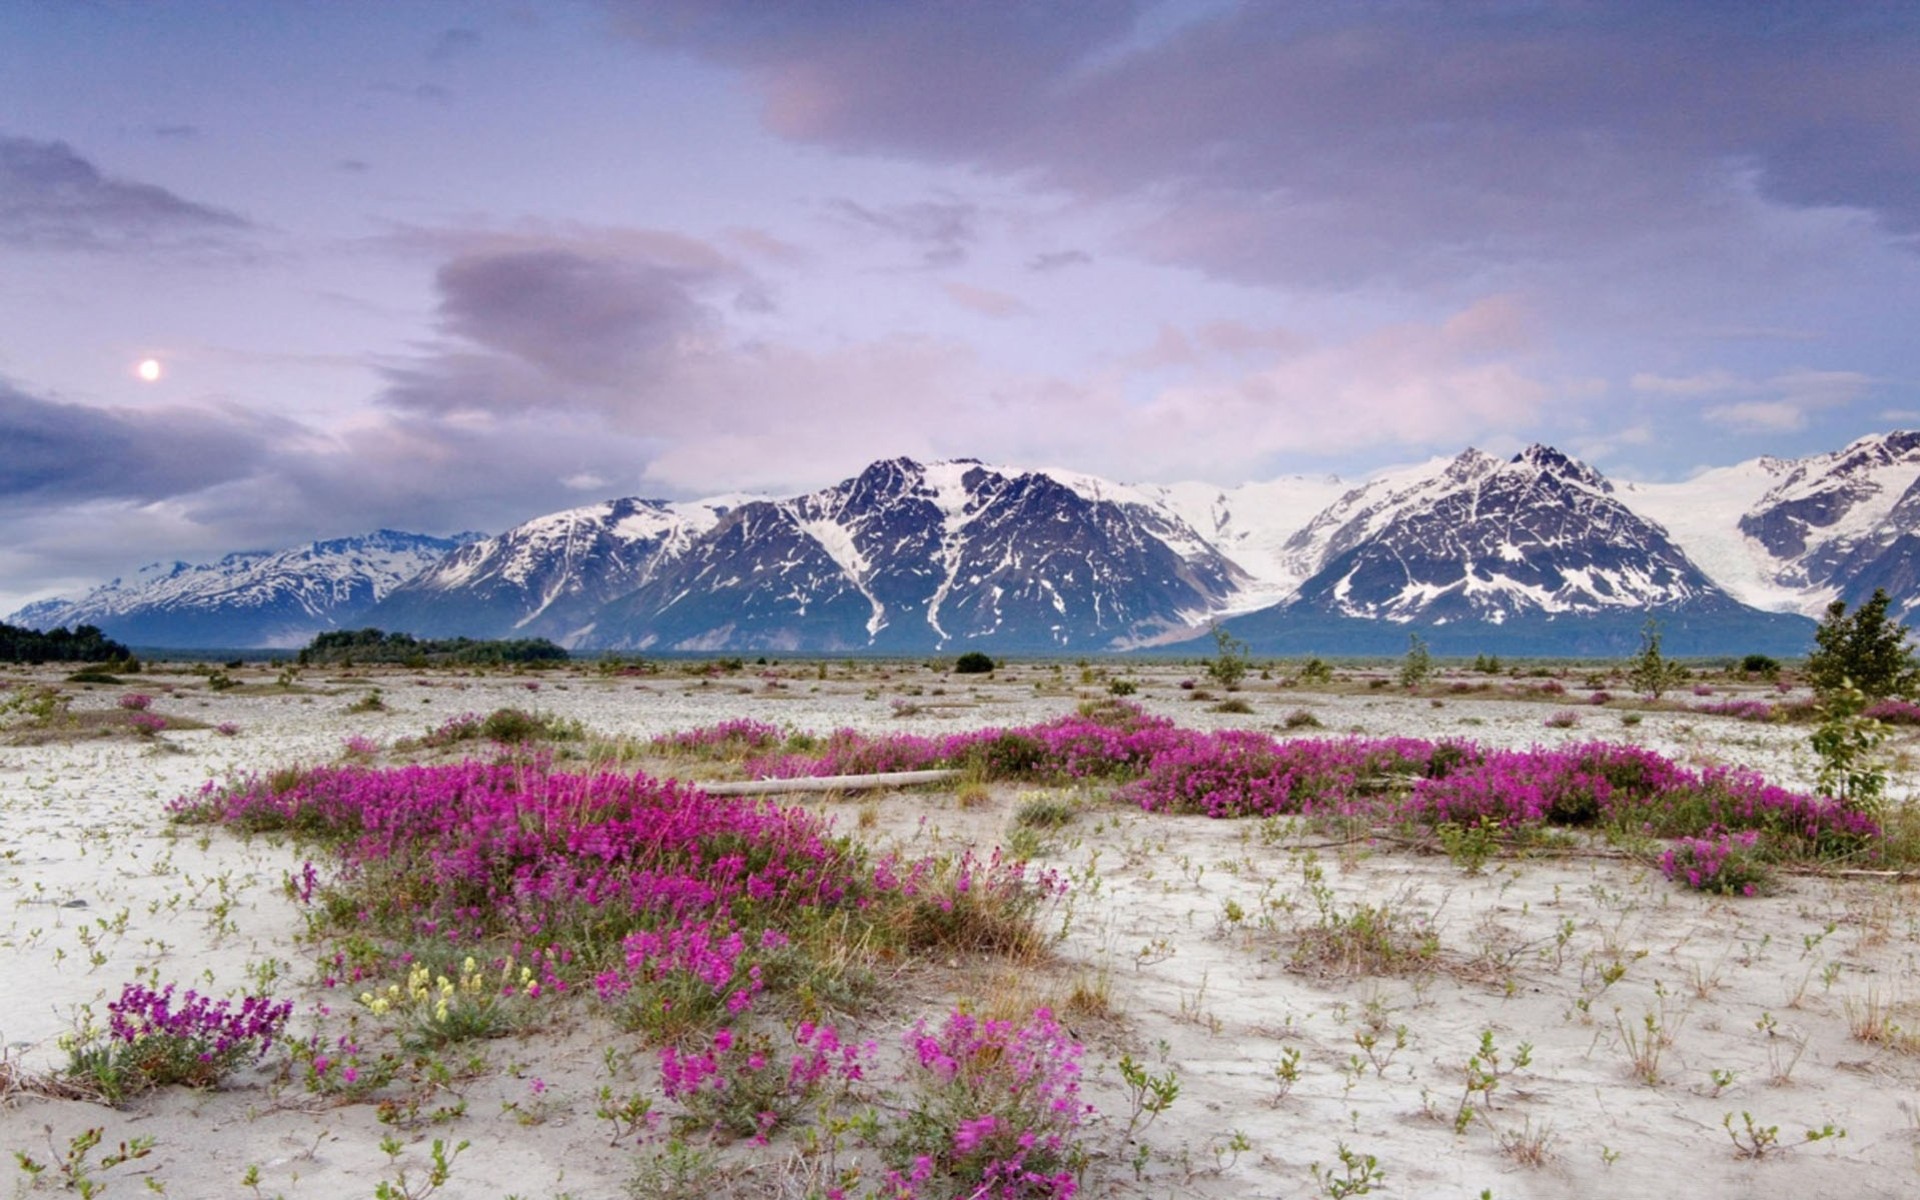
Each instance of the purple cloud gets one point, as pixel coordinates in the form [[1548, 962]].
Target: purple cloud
[[52, 198], [1334, 144]]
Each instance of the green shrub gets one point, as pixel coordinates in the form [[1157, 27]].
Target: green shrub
[[973, 662]]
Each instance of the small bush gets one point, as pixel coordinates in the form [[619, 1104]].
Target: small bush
[[1301, 718], [996, 1111], [973, 662], [1315, 671], [1761, 665], [1233, 704], [150, 1042], [1044, 812], [1726, 865]]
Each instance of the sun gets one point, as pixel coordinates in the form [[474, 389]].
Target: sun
[[149, 370]]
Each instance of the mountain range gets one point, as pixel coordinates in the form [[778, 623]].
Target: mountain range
[[1536, 554]]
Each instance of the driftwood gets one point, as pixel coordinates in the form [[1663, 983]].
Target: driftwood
[[827, 783]]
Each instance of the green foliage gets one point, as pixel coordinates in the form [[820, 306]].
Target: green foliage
[[1315, 670], [1417, 667], [973, 662], [374, 646], [1848, 742], [84, 643], [1761, 665], [1229, 664], [1487, 664], [1868, 651], [1648, 672]]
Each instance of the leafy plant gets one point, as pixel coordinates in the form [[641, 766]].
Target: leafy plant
[[1847, 744], [1229, 664], [1359, 1174], [72, 1166], [1417, 667], [1868, 651], [1648, 672], [973, 662], [151, 1040]]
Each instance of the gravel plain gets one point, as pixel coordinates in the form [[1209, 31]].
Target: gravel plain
[[1752, 1005]]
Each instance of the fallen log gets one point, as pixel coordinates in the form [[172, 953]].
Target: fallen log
[[827, 783]]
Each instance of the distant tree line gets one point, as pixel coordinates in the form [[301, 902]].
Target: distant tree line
[[82, 644], [374, 646]]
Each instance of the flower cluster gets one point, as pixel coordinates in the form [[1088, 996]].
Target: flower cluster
[[1740, 710], [996, 1111], [728, 739], [744, 1085], [1893, 711], [151, 1040], [688, 977], [1725, 864], [136, 702], [436, 1009]]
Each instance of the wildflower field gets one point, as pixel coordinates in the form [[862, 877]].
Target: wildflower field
[[465, 934]]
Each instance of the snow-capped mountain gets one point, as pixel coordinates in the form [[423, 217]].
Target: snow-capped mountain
[[261, 598], [1485, 540], [548, 577], [1792, 535], [1482, 544], [1534, 554], [908, 556]]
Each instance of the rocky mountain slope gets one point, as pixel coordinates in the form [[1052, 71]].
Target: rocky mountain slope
[[1539, 551], [262, 598]]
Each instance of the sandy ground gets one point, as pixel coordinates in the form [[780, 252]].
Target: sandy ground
[[1653, 1015]]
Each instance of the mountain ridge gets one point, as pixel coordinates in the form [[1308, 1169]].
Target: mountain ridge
[[909, 557]]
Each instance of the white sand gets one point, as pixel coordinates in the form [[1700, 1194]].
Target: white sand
[[97, 890]]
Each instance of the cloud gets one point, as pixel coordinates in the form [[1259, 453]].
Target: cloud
[[942, 231], [52, 198], [584, 318], [1338, 144], [1779, 403], [1759, 416], [1059, 260], [454, 43], [985, 302], [1414, 385], [538, 319], [888, 76], [70, 453], [1704, 383]]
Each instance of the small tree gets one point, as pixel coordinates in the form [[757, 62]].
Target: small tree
[[1848, 743], [1230, 664], [1868, 650], [1417, 665], [1648, 673], [973, 662]]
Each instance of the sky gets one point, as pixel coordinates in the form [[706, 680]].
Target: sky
[[449, 266]]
